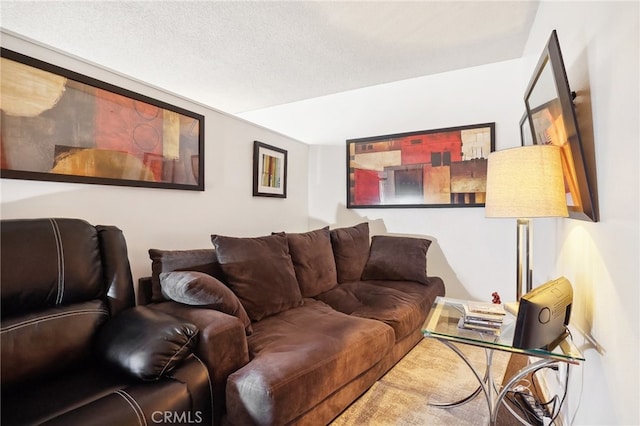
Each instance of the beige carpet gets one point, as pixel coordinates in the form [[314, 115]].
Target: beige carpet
[[431, 372]]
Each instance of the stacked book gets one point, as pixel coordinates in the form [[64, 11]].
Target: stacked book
[[483, 317]]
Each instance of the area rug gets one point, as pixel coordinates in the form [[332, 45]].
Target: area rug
[[430, 372]]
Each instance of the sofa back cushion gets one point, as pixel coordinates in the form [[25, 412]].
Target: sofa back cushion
[[397, 258], [61, 279], [351, 250], [47, 263], [199, 260], [313, 261], [260, 272]]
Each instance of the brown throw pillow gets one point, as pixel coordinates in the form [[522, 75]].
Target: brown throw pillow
[[202, 290], [201, 260], [260, 272], [350, 250], [313, 261], [397, 259]]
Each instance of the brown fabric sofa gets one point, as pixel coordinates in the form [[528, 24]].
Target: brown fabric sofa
[[313, 319], [74, 349]]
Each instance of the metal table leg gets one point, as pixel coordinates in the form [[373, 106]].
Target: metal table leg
[[488, 386], [485, 382]]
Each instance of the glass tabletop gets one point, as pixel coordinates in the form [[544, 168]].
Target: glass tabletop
[[444, 317]]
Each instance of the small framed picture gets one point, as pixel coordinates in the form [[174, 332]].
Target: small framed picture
[[269, 171]]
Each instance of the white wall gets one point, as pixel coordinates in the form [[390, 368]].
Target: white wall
[[600, 45], [170, 219]]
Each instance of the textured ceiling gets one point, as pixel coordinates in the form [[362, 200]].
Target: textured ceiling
[[240, 56]]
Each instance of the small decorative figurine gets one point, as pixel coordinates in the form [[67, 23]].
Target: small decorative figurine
[[496, 297]]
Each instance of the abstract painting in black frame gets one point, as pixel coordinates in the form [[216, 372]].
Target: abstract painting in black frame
[[430, 168], [60, 125]]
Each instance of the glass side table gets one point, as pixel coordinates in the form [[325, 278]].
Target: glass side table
[[442, 325]]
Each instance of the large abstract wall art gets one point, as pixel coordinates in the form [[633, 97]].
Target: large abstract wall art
[[59, 125], [431, 168]]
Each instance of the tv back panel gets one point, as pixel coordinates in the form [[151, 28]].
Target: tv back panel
[[543, 315]]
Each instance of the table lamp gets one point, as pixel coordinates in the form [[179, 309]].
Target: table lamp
[[524, 183]]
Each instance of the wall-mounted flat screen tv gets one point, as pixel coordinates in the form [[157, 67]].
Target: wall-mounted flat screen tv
[[552, 119]]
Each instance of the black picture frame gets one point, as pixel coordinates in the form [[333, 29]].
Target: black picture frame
[[526, 137], [552, 120], [444, 167], [75, 128], [269, 170]]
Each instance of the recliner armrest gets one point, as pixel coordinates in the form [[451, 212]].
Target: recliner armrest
[[145, 343]]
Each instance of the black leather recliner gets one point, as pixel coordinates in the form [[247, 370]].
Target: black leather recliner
[[74, 348]]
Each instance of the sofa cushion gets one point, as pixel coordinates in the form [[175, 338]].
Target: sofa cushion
[[313, 261], [299, 358], [402, 305], [99, 396], [397, 259], [350, 250], [200, 260], [260, 272], [204, 291], [145, 343]]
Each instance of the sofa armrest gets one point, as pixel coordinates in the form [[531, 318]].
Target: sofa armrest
[[194, 374], [222, 344]]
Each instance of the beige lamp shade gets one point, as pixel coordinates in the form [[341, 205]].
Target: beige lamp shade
[[525, 182]]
